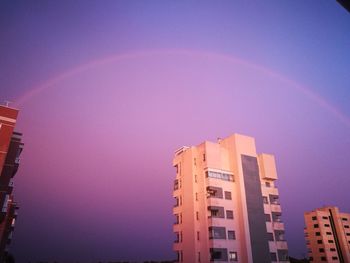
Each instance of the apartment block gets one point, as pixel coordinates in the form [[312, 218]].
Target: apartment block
[[327, 235], [227, 206], [10, 150]]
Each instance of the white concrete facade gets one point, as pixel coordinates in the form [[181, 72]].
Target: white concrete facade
[[226, 204]]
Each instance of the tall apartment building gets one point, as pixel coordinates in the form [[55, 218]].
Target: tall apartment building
[[10, 149], [327, 235], [226, 204]]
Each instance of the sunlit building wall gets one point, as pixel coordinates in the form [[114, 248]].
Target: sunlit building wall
[[10, 150], [226, 204], [327, 235]]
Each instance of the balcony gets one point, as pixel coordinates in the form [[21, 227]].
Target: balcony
[[275, 208], [281, 245], [277, 225]]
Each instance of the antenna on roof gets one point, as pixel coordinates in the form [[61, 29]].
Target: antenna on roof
[[7, 102]]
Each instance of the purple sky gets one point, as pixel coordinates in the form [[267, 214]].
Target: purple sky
[[108, 90]]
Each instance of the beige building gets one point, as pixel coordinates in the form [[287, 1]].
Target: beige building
[[226, 204], [327, 235]]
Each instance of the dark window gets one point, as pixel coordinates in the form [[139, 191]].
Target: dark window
[[197, 215], [266, 201], [196, 196], [197, 235], [318, 233], [199, 256], [214, 192], [217, 232], [282, 254], [314, 218], [346, 226], [329, 233], [311, 259], [267, 184], [177, 168], [332, 249], [229, 214], [228, 195], [273, 256], [321, 249], [324, 217], [231, 234], [316, 226], [334, 258], [323, 259], [319, 241], [176, 184], [279, 235], [326, 225], [233, 256], [177, 237], [270, 236], [274, 199], [177, 202], [344, 219], [177, 219], [267, 218], [348, 234], [195, 178], [216, 211], [330, 241], [276, 217], [218, 254], [204, 157]]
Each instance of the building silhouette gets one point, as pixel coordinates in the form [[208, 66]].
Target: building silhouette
[[227, 206], [327, 235], [10, 150]]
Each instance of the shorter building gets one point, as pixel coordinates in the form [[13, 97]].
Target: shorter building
[[10, 149], [327, 235]]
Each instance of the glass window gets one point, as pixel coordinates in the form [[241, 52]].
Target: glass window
[[219, 175], [176, 184], [273, 256], [233, 256], [214, 192], [219, 254], [228, 195], [270, 236], [229, 214], [217, 232], [231, 234], [265, 200]]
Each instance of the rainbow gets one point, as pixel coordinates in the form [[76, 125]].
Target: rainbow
[[191, 53]]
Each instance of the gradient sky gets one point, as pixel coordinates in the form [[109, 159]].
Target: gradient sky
[[109, 89]]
